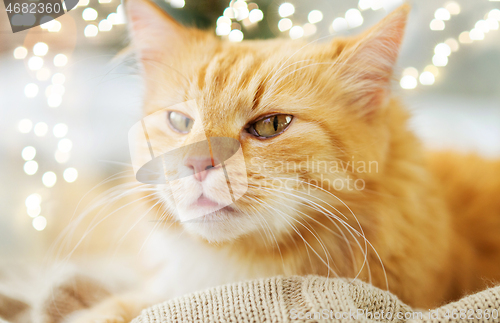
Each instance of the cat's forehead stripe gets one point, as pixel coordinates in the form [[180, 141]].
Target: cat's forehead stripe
[[232, 73], [258, 95], [232, 69]]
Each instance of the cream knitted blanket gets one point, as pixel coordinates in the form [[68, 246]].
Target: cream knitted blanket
[[314, 299], [278, 299]]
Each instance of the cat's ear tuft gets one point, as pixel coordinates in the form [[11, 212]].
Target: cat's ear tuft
[[369, 59], [154, 34]]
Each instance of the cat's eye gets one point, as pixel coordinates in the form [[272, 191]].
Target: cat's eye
[[270, 126], [179, 122]]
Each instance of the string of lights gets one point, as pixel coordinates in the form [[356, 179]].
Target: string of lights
[[236, 14], [39, 64], [443, 50], [37, 61], [228, 25]]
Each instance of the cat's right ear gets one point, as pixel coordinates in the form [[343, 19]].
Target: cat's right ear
[[154, 34]]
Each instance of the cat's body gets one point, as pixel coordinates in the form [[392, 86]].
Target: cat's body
[[446, 251], [417, 226], [469, 186]]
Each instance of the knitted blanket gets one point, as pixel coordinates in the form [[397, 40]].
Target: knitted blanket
[[277, 299], [314, 299]]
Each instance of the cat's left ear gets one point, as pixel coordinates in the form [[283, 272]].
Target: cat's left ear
[[369, 59]]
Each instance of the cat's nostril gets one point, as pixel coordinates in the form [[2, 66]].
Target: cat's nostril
[[200, 166]]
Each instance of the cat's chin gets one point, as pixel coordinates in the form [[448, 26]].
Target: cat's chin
[[221, 226]]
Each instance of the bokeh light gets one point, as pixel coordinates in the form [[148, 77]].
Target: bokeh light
[[408, 82], [35, 63], [28, 153], [40, 129], [284, 24], [235, 35], [354, 18], [30, 167], [40, 49], [426, 78], [58, 78], [70, 175], [89, 14], [25, 126], [65, 145], [286, 9], [340, 24], [255, 15], [43, 74], [315, 16], [437, 24], [91, 31], [442, 14], [33, 200], [39, 223], [34, 212], [296, 32], [177, 3], [49, 179], [20, 52], [60, 60], [60, 130], [61, 157]]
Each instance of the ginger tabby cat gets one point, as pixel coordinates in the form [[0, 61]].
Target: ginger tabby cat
[[425, 226]]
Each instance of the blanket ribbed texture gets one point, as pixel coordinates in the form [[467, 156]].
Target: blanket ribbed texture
[[312, 299]]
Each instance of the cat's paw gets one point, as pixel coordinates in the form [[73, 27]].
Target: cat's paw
[[69, 295]]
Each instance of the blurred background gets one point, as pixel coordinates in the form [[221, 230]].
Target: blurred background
[[65, 107]]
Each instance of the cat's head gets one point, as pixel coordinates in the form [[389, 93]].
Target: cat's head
[[310, 119]]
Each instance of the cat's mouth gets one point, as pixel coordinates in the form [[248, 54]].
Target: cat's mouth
[[207, 203], [204, 201]]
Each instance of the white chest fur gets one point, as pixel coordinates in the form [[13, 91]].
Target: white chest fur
[[183, 265]]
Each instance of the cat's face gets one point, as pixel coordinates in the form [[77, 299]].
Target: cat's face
[[293, 109]]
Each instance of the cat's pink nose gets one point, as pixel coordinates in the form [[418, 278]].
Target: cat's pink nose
[[200, 166]]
